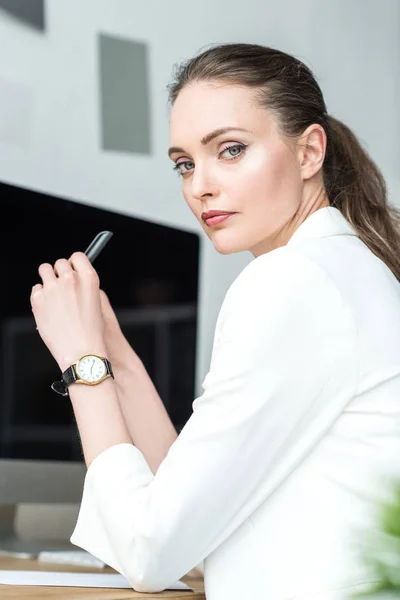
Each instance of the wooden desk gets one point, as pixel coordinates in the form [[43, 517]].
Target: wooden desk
[[20, 592]]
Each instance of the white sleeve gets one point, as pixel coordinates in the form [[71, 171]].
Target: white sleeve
[[283, 367]]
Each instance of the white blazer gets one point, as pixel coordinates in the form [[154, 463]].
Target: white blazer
[[273, 480]]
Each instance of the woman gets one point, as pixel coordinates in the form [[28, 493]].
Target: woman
[[278, 468]]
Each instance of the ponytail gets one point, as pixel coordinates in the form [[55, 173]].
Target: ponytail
[[356, 186]]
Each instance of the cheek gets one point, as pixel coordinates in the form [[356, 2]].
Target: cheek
[[192, 204], [271, 181], [196, 209]]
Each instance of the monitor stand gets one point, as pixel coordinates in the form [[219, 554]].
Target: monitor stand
[[11, 544]]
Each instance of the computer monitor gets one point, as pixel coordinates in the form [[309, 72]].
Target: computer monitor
[[150, 273]]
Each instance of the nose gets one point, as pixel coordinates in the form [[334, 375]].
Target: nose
[[203, 184]]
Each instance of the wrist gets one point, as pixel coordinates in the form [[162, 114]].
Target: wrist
[[128, 365], [124, 370], [126, 359], [72, 357]]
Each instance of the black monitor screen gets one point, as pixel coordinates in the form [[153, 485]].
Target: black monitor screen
[[150, 274]]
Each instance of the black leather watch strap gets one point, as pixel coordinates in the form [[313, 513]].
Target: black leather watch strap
[[69, 376]]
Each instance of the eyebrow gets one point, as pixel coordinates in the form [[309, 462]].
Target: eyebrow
[[208, 138]]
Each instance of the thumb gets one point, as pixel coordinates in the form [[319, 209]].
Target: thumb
[[107, 310], [105, 303], [104, 298]]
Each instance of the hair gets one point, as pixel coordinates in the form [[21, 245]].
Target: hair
[[287, 88]]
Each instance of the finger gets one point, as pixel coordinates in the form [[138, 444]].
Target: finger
[[36, 288], [47, 274], [70, 261], [83, 266], [35, 293], [62, 267], [80, 261]]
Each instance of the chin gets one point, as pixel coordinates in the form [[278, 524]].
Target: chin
[[228, 246], [225, 250]]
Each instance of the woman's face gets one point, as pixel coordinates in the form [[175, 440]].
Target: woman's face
[[252, 173]]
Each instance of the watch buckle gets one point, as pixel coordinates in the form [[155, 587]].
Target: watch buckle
[[60, 388]]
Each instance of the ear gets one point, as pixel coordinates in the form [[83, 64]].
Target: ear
[[312, 148]]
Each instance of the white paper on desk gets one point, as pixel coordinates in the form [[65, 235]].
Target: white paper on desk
[[56, 578]]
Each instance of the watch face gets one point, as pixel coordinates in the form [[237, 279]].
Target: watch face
[[91, 368]]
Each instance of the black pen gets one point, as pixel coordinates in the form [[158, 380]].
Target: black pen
[[97, 245]]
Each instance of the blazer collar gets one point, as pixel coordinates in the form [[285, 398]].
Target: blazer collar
[[324, 222]]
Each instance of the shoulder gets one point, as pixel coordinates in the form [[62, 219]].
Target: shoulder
[[285, 295], [283, 276], [283, 315]]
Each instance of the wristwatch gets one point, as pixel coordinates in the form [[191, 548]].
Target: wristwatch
[[90, 369]]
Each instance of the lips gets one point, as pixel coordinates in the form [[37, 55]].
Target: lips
[[215, 213], [219, 218]]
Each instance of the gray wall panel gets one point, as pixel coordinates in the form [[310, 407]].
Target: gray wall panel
[[124, 95], [31, 12]]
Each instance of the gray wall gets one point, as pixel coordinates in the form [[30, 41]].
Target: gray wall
[[50, 107]]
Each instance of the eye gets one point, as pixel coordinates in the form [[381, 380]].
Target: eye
[[177, 167], [240, 147]]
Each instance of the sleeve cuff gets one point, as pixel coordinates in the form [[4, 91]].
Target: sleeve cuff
[[97, 514]]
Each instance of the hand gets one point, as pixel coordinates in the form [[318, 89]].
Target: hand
[[67, 309], [119, 351]]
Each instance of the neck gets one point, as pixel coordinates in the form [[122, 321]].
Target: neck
[[281, 237]]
